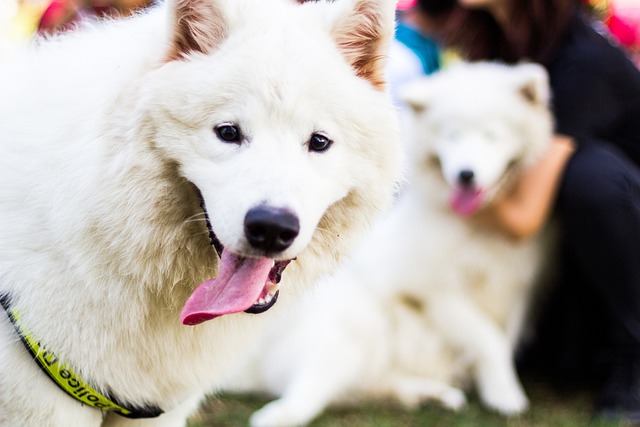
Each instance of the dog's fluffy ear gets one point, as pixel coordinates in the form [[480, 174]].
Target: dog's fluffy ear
[[416, 95], [363, 32], [198, 26], [532, 82]]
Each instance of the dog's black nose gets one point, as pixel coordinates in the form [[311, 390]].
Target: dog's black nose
[[466, 177], [271, 229]]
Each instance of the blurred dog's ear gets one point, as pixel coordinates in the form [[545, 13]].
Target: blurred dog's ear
[[532, 83], [198, 27], [417, 94], [363, 32], [417, 105]]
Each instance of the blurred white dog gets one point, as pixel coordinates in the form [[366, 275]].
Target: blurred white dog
[[432, 298]]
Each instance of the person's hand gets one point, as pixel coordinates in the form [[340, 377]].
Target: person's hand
[[523, 211]]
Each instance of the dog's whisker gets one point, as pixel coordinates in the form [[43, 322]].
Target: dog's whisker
[[189, 221], [200, 216]]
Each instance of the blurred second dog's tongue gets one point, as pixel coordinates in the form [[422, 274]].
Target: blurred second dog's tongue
[[238, 286], [466, 201]]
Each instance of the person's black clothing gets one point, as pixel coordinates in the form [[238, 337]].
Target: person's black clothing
[[596, 91], [593, 318]]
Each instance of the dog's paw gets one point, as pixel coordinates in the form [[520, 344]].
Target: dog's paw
[[414, 391], [506, 401], [279, 414], [453, 399], [499, 387]]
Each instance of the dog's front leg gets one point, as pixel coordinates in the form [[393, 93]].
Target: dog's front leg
[[467, 328], [316, 383], [413, 390]]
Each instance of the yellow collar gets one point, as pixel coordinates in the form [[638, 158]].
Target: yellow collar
[[67, 379]]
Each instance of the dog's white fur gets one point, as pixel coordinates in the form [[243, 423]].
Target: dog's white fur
[[430, 298], [104, 132]]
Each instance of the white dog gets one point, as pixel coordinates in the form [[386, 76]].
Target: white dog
[[262, 126], [432, 296]]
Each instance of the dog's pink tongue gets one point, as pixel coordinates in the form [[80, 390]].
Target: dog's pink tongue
[[466, 201], [238, 286]]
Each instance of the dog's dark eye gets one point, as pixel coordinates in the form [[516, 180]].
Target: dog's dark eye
[[319, 143], [229, 133]]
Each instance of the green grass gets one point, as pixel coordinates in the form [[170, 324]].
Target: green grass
[[549, 408]]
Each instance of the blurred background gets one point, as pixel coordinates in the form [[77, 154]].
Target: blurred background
[[20, 19]]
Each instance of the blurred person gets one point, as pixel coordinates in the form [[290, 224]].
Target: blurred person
[[413, 53], [62, 15], [589, 179], [412, 34]]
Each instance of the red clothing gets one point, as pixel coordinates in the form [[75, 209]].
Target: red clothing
[[62, 15]]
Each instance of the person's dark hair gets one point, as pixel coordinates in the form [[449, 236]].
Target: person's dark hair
[[435, 7], [535, 29]]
